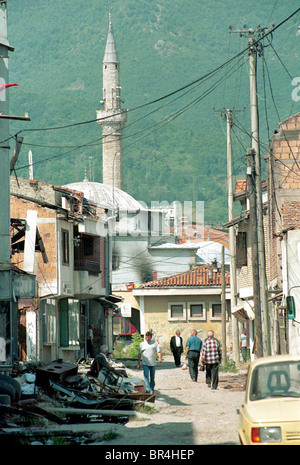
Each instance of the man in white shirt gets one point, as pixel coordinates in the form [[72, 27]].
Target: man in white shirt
[[148, 350], [243, 345]]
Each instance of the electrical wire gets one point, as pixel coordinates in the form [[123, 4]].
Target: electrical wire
[[275, 106], [138, 107], [167, 120], [266, 34]]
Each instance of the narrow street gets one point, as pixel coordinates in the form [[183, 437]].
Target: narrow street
[[187, 413]]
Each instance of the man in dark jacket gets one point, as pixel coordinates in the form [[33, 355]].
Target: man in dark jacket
[[176, 347]]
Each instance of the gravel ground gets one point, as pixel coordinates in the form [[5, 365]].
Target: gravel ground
[[187, 413]]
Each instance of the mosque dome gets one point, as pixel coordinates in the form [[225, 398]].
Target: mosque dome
[[106, 196]]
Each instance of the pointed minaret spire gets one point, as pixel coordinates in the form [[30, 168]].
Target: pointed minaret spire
[[110, 54], [112, 118]]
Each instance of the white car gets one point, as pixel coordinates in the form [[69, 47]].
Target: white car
[[271, 411]]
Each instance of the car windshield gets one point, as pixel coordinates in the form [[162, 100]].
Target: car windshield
[[280, 379]]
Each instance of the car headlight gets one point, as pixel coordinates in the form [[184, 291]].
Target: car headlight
[[266, 434]]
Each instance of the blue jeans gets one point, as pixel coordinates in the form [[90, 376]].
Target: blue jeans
[[149, 383]]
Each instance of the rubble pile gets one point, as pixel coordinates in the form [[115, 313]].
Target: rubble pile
[[61, 393]]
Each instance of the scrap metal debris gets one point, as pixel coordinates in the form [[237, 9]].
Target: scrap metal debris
[[62, 393]]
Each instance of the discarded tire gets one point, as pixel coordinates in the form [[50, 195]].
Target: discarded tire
[[14, 383], [17, 387], [7, 388], [4, 399]]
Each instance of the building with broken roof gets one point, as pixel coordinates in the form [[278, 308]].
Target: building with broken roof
[[57, 235]]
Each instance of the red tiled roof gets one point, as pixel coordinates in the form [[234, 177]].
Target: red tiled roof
[[198, 276], [242, 185], [196, 233]]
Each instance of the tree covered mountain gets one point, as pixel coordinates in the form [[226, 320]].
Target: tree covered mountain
[[174, 148]]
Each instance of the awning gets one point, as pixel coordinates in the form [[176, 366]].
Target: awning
[[244, 311], [107, 304], [113, 298]]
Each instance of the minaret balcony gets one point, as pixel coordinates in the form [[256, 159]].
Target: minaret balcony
[[112, 117]]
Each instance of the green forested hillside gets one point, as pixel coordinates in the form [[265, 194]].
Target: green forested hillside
[[174, 149]]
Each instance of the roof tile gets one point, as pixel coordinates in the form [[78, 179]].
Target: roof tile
[[198, 276]]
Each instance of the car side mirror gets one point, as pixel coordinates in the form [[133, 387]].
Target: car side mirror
[[290, 306]]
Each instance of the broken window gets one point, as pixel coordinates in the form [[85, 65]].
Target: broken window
[[5, 333], [86, 252]]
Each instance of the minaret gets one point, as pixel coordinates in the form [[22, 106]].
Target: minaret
[[112, 118]]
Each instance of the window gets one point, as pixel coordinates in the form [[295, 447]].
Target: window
[[196, 311], [274, 380], [88, 245], [69, 319], [48, 321], [115, 261], [241, 249], [65, 247], [216, 311], [5, 333], [86, 252], [176, 311]]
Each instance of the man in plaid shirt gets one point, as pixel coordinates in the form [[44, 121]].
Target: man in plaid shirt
[[211, 356]]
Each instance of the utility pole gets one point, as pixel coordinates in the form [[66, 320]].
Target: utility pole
[[251, 182], [8, 305], [228, 114], [223, 309], [254, 48]]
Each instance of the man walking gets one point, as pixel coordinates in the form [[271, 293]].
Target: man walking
[[243, 345], [90, 342], [176, 347], [148, 350], [192, 353], [211, 356]]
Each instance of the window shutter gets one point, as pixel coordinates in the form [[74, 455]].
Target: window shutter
[[241, 249], [63, 323]]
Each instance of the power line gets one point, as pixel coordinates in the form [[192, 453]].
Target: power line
[[167, 120], [138, 107], [193, 83], [266, 34]]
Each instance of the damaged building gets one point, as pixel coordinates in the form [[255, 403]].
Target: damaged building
[[58, 236]]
